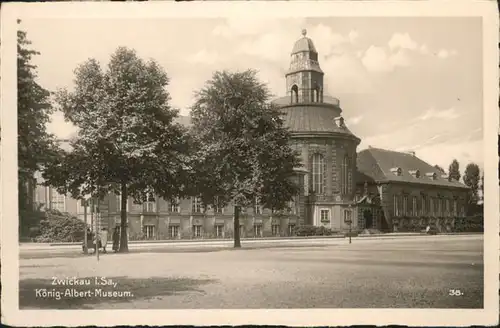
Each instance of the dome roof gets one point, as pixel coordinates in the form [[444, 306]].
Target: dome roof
[[315, 119], [304, 44]]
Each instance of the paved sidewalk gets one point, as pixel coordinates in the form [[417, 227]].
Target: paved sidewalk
[[246, 241]]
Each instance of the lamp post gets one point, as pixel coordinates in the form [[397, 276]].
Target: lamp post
[[85, 241], [348, 220]]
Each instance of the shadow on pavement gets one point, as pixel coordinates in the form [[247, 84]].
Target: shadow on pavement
[[41, 294]]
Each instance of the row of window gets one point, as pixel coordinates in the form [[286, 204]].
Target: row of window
[[196, 207], [319, 175], [425, 205], [197, 230], [316, 94]]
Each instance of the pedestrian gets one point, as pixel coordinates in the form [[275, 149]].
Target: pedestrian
[[427, 229], [104, 239], [116, 239]]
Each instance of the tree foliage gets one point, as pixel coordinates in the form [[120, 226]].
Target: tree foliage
[[36, 146], [242, 153], [454, 171], [472, 180], [128, 142]]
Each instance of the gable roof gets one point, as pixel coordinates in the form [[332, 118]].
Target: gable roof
[[377, 164]]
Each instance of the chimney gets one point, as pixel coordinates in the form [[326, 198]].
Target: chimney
[[411, 152]]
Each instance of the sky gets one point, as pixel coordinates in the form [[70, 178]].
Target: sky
[[404, 83]]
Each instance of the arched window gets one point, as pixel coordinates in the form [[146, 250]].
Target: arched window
[[295, 94], [318, 173], [346, 176]]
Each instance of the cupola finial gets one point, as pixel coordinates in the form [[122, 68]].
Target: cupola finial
[[304, 32]]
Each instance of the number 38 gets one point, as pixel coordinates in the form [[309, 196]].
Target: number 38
[[455, 292]]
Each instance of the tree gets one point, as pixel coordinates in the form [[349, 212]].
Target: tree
[[454, 171], [439, 168], [128, 143], [471, 179], [36, 147], [242, 148], [481, 186]]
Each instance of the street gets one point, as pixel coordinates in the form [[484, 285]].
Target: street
[[409, 272]]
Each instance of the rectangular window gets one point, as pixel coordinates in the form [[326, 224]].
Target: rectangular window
[[218, 209], [405, 205], [325, 215], [149, 231], [173, 231], [197, 231], [455, 207], [291, 229], [149, 206], [431, 205], [423, 206], [448, 207], [195, 205], [395, 199], [276, 229], [174, 205], [414, 206], [219, 229], [57, 201], [257, 230], [257, 209]]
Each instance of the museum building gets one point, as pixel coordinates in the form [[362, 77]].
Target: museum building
[[374, 189]]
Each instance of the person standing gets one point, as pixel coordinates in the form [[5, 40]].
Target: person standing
[[116, 239], [104, 239]]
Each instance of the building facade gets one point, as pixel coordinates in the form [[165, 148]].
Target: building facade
[[340, 189], [397, 191]]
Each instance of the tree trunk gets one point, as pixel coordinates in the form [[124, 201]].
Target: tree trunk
[[237, 243], [123, 223]]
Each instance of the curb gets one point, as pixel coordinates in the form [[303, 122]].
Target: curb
[[181, 241]]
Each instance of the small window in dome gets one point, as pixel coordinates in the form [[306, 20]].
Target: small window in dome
[[397, 171], [294, 94], [313, 56]]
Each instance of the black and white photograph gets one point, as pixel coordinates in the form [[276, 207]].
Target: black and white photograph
[[192, 157]]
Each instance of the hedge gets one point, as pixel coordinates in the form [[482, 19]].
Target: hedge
[[308, 230], [59, 227], [470, 224]]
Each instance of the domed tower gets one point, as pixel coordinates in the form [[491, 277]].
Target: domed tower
[[320, 134]]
